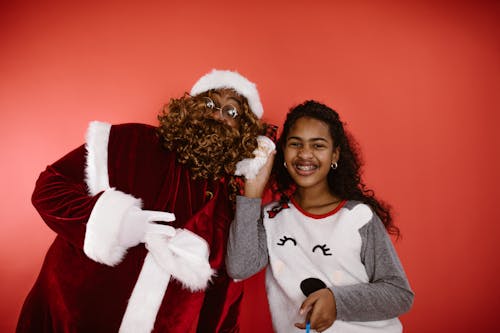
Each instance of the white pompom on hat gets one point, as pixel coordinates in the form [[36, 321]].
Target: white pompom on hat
[[220, 79]]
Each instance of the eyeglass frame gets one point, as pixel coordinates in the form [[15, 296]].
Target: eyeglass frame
[[208, 100]]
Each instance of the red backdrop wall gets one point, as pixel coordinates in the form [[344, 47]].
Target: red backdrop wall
[[417, 83]]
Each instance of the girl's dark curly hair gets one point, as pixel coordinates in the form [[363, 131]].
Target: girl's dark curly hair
[[208, 147], [345, 181]]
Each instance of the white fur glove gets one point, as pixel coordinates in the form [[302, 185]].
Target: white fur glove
[[138, 222], [249, 167]]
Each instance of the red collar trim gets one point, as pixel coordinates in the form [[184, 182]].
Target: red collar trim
[[318, 216]]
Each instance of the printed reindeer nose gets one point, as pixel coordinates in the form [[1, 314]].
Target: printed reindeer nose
[[310, 285]]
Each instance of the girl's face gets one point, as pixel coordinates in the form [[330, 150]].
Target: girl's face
[[309, 152]]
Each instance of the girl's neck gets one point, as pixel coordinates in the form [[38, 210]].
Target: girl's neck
[[316, 201]]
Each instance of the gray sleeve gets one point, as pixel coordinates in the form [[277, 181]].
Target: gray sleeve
[[247, 246], [388, 293]]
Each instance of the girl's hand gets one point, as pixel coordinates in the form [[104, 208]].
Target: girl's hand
[[254, 188], [321, 310]]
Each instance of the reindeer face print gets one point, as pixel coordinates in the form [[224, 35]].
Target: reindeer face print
[[310, 252], [307, 252], [305, 260]]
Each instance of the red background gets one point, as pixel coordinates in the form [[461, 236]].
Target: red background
[[417, 83]]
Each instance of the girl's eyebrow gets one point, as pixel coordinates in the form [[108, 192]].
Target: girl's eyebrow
[[311, 139]]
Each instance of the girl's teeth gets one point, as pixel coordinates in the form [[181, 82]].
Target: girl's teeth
[[306, 167]]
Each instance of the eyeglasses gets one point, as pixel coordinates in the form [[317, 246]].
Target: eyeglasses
[[227, 111]]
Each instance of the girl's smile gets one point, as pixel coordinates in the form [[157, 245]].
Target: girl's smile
[[305, 168]]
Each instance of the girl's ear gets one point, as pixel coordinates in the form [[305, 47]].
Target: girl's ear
[[336, 154]]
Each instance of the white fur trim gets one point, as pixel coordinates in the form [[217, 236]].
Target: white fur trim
[[218, 79], [101, 242], [183, 256], [146, 298], [96, 170], [249, 167]]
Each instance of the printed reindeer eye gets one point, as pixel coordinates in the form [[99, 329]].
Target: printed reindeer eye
[[284, 239], [324, 248]]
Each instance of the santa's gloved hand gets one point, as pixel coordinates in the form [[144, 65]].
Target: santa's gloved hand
[[250, 167], [138, 222]]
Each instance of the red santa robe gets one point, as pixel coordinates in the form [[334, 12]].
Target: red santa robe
[[87, 278]]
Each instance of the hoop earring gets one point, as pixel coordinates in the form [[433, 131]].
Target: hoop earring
[[334, 165], [285, 165]]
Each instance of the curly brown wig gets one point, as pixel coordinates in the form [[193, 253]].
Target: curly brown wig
[[210, 148], [345, 181]]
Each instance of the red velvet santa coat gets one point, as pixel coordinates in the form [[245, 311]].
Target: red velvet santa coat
[[87, 278]]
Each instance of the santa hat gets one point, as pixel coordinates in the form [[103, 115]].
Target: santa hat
[[220, 79]]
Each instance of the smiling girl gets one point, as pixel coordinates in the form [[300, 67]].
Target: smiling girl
[[330, 262]]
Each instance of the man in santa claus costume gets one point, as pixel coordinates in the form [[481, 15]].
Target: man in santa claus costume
[[142, 216]]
